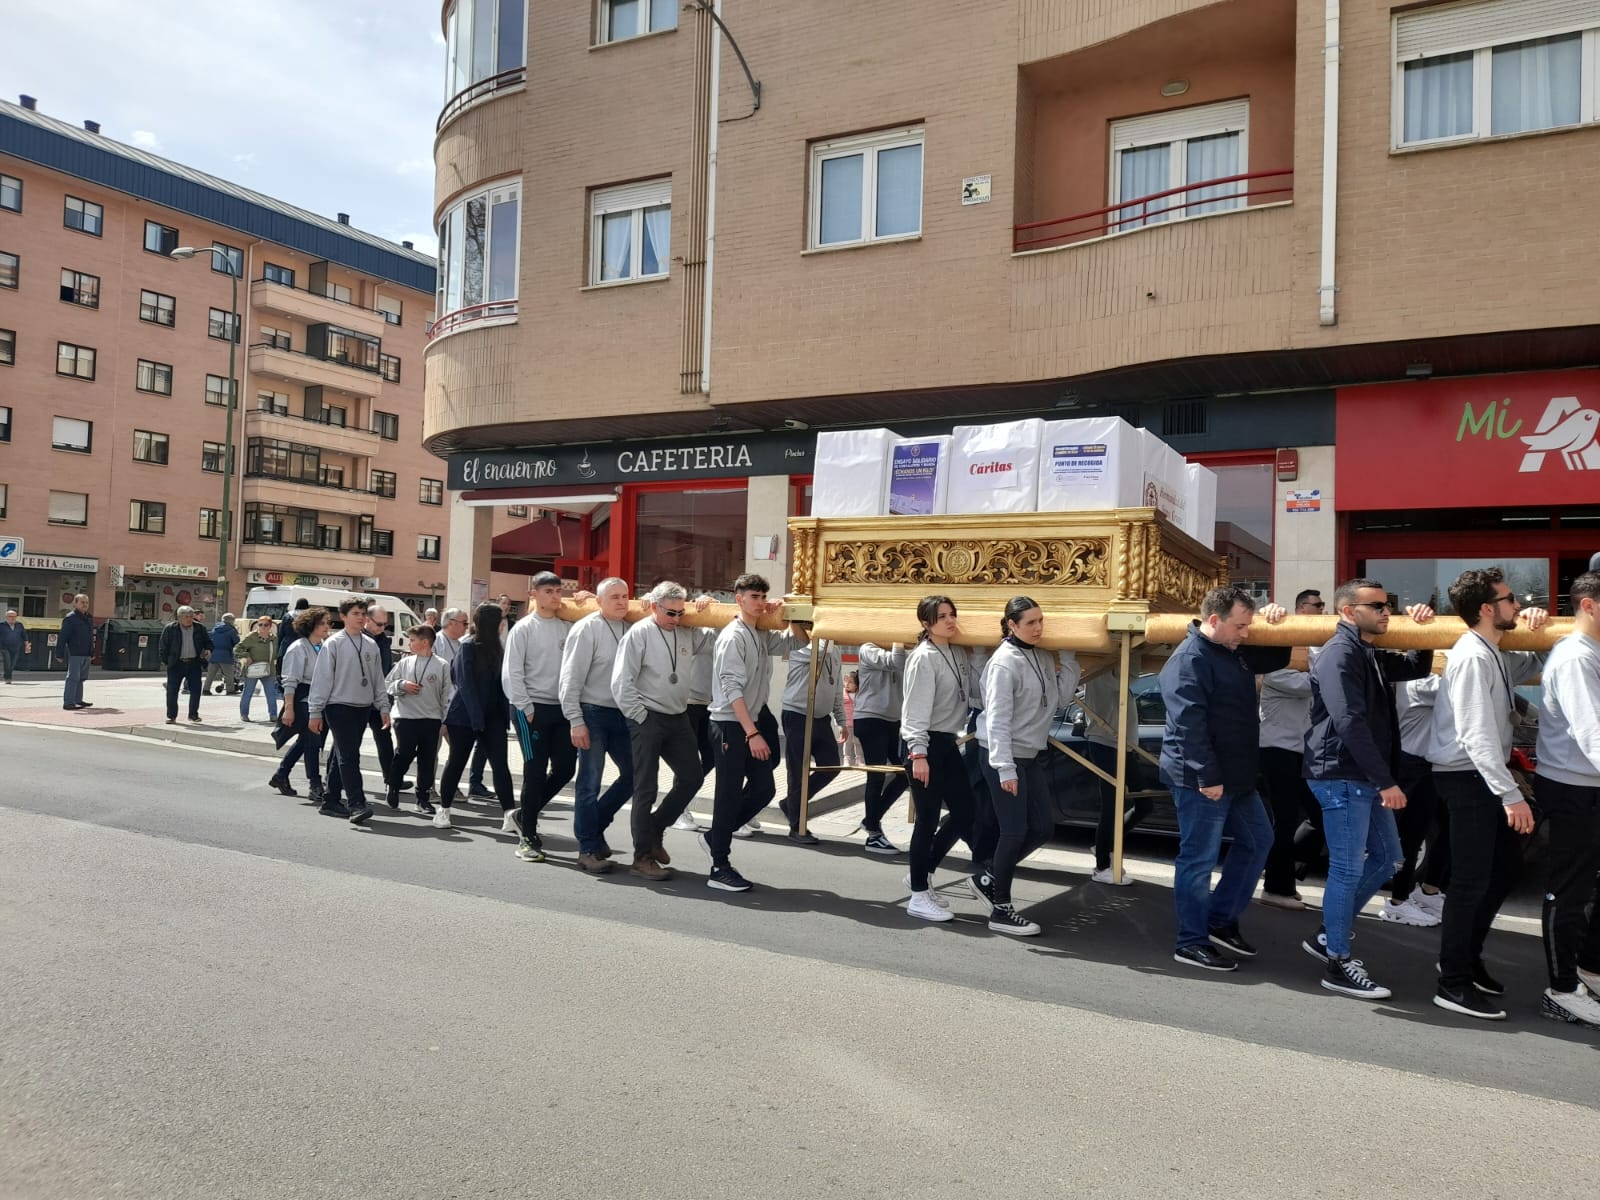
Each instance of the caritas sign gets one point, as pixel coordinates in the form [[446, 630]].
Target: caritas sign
[[1496, 441]]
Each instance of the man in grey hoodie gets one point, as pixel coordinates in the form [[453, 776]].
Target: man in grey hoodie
[[1567, 785], [1469, 750]]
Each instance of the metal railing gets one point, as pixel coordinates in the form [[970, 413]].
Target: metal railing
[[462, 317], [305, 291], [477, 91], [1142, 211]]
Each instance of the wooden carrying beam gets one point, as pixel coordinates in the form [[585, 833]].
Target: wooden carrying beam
[[1404, 633]]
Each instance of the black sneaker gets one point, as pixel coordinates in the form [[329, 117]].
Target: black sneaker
[[726, 879], [424, 805], [1469, 1002], [360, 816], [317, 794], [281, 785], [332, 808], [1317, 946], [983, 885], [478, 792], [1003, 918], [1349, 977], [1481, 979], [1207, 958], [803, 839], [878, 844], [392, 798], [1229, 938], [404, 785]]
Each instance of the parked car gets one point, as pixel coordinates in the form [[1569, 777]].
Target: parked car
[[1076, 792]]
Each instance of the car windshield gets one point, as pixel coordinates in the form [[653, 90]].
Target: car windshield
[[275, 611]]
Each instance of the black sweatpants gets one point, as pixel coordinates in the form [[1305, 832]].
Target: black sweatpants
[[946, 792], [1419, 822], [744, 782], [466, 744], [700, 722], [418, 739], [662, 738], [1292, 804], [1571, 938], [880, 747], [1024, 821], [549, 759], [346, 723], [824, 752], [1485, 859]]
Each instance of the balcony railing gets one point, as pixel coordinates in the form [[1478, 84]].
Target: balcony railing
[[332, 360], [462, 317], [478, 91], [1157, 208], [305, 291]]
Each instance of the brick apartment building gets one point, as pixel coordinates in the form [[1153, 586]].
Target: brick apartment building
[[1344, 253], [114, 380]]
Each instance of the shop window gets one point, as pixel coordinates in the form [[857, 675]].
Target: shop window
[[695, 537], [1427, 580]]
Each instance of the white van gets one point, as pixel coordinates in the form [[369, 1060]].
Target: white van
[[279, 600]]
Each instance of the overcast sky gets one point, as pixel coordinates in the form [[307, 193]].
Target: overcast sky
[[327, 104]]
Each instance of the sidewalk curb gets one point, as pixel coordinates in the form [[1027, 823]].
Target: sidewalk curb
[[204, 741]]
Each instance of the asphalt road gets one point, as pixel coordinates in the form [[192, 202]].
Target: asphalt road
[[211, 991]]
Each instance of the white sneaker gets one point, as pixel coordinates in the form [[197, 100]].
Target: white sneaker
[[1427, 902], [441, 819], [1575, 1008], [1104, 876], [927, 907], [748, 830], [512, 822], [930, 893], [1407, 913], [1589, 979], [686, 822], [705, 845]]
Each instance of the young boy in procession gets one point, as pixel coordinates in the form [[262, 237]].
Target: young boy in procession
[[419, 686]]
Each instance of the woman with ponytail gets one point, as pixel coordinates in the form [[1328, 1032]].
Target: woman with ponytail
[[1023, 687], [939, 690]]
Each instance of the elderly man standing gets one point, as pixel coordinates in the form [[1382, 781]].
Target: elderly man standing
[[14, 642], [76, 645], [598, 728], [185, 646], [224, 637]]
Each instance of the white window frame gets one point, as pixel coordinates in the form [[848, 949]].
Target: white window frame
[[1479, 27], [629, 198], [489, 312], [1175, 128], [869, 147], [646, 7]]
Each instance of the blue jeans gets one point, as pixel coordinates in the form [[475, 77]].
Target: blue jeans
[[77, 672], [269, 686], [1201, 825], [592, 812], [1364, 852]]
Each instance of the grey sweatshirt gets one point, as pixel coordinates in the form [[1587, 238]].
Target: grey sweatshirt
[[1472, 715], [1569, 719], [880, 680], [744, 667], [586, 664], [446, 647], [1022, 689], [641, 678], [940, 689], [299, 660], [1285, 710], [431, 703], [1413, 704], [348, 671], [700, 668], [531, 669], [830, 683]]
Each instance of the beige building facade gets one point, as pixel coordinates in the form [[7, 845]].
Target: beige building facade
[[114, 384], [1263, 229]]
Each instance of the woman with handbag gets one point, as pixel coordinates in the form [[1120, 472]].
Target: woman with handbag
[[257, 656]]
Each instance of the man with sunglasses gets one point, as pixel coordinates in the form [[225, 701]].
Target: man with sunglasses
[[1351, 754], [1470, 748]]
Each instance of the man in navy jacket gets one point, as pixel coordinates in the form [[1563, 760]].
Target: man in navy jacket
[[76, 645], [1209, 758]]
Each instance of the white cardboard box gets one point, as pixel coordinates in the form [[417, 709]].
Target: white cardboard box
[[919, 476], [1202, 505], [995, 468], [850, 473], [1166, 481], [1090, 463]]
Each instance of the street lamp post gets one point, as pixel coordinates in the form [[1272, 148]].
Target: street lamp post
[[226, 523]]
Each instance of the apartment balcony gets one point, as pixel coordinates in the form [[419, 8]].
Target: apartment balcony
[[313, 308], [339, 439], [298, 368], [254, 556], [296, 493]]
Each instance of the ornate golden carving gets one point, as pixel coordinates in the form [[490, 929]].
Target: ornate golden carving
[[1057, 562], [1173, 579], [804, 544]]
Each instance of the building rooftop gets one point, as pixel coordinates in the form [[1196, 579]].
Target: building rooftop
[[60, 146]]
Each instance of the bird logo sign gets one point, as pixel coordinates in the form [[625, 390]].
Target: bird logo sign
[[1566, 429]]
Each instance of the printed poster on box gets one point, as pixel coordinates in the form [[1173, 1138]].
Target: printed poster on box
[[919, 476]]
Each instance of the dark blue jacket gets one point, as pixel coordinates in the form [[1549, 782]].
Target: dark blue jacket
[[1213, 716], [479, 702], [385, 642], [1355, 732], [224, 637], [77, 636], [13, 637]]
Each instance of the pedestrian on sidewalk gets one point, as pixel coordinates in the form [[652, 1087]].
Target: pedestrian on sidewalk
[[1023, 686], [1567, 786], [224, 637], [531, 675], [477, 716], [298, 669], [1210, 754], [1470, 749], [14, 642], [1285, 718], [75, 643], [1352, 753], [598, 729], [940, 692], [824, 749], [347, 684], [184, 648], [419, 692], [257, 657], [880, 680]]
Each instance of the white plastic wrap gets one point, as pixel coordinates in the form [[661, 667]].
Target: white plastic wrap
[[919, 476], [1090, 463], [1202, 525], [851, 472], [995, 468], [1166, 480]]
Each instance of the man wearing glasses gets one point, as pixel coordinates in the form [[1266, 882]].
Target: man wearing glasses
[[1351, 751], [347, 685], [1469, 750]]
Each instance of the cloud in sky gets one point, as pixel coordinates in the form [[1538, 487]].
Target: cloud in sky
[[327, 106]]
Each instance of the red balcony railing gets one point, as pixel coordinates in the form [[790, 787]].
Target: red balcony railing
[[1155, 208], [462, 317]]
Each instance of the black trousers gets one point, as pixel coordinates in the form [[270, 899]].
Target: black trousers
[[700, 723], [880, 747], [1571, 938], [668, 738], [1024, 821], [549, 759], [1292, 804], [744, 782], [1485, 859], [384, 743], [346, 723], [1420, 822], [307, 745], [418, 742], [947, 792], [180, 675], [466, 744], [824, 752], [1134, 811]]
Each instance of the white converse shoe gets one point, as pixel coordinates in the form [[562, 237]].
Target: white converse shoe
[[926, 907], [1103, 875], [930, 893], [441, 819]]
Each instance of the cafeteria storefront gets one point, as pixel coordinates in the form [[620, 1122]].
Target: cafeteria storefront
[[43, 585]]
